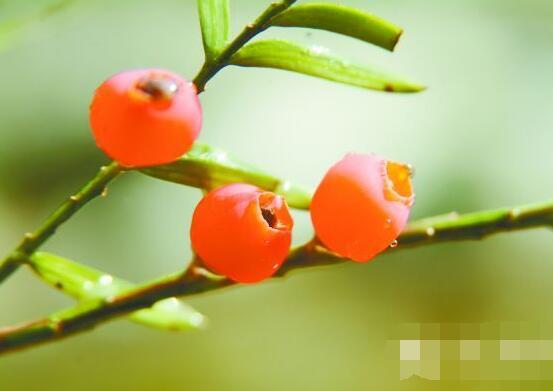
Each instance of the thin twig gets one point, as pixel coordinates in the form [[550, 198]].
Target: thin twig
[[210, 68], [426, 231], [33, 240]]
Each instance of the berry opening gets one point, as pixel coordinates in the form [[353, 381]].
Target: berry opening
[[158, 87], [398, 178], [274, 211], [269, 216]]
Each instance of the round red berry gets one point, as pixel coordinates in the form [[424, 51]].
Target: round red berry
[[362, 205], [242, 232], [145, 117]]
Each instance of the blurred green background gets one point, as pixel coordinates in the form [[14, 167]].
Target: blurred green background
[[479, 137]]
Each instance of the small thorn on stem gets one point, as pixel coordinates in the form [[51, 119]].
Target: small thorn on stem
[[203, 272], [454, 215], [198, 270], [57, 327], [514, 213]]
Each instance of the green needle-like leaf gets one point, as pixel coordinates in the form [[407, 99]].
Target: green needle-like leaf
[[342, 20], [206, 167], [317, 61], [83, 283], [214, 21]]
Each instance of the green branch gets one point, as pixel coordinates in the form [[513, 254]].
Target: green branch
[[196, 280], [213, 65], [33, 240], [477, 225]]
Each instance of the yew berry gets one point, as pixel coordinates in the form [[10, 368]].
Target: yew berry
[[145, 117], [362, 205], [242, 232]]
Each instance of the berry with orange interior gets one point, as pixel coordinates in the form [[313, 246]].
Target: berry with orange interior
[[362, 205]]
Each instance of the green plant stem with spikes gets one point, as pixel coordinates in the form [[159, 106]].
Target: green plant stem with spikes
[[196, 280], [32, 241]]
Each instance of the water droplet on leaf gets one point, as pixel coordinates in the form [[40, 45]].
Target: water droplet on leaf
[[105, 279]]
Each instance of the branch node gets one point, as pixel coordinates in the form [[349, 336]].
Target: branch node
[[203, 272], [514, 213], [430, 232]]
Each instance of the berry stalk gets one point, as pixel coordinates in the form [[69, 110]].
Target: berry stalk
[[432, 230]]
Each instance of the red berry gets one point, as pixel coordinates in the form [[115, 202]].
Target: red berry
[[242, 232], [362, 205], [145, 117]]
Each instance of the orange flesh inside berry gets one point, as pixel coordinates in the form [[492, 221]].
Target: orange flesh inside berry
[[399, 175]]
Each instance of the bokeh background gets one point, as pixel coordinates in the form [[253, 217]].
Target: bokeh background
[[479, 137]]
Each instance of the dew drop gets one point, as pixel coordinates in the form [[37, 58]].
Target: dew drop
[[196, 319], [430, 231], [105, 279], [88, 285], [316, 49], [220, 156], [411, 170], [394, 244], [171, 303], [285, 186], [388, 224]]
